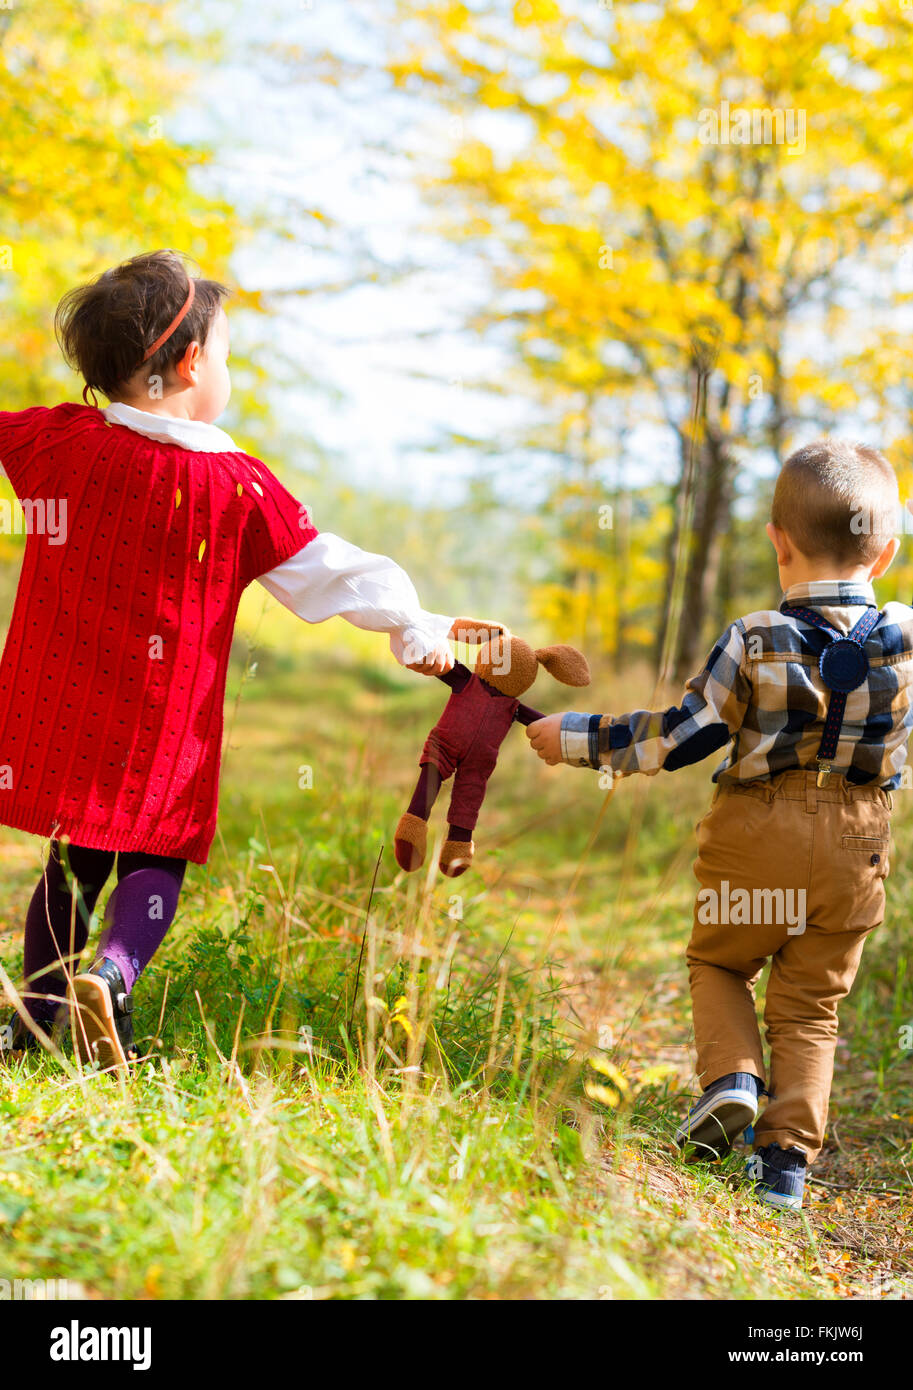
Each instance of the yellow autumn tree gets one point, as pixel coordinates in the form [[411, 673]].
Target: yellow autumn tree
[[92, 169], [679, 196]]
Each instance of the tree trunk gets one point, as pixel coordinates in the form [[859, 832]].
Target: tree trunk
[[728, 579], [677, 500], [712, 515], [621, 517]]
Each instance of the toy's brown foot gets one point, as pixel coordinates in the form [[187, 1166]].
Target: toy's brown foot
[[456, 857], [409, 841]]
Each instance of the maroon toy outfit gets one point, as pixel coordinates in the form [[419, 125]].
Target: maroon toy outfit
[[466, 741]]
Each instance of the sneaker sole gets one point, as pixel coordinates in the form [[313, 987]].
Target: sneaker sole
[[713, 1131], [92, 1023], [779, 1199]]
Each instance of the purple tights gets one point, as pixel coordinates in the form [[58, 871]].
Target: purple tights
[[137, 916]]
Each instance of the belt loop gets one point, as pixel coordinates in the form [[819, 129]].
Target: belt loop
[[811, 793]]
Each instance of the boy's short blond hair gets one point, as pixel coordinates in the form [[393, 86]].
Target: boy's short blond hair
[[837, 500]]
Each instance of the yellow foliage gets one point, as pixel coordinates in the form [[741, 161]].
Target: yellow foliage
[[90, 169], [690, 180]]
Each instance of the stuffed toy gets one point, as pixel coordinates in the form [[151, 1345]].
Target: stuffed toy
[[467, 738]]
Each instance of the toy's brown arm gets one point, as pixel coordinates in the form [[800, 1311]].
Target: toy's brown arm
[[527, 715], [458, 677]]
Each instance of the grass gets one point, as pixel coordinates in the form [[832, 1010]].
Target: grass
[[383, 1091]]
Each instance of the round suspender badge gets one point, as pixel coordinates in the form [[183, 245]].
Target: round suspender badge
[[844, 665]]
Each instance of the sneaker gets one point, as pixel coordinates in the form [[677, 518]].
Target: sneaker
[[101, 1017], [779, 1176], [727, 1107]]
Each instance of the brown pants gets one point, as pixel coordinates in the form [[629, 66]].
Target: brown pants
[[792, 872]]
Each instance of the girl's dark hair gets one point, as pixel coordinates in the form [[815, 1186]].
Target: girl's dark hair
[[104, 328]]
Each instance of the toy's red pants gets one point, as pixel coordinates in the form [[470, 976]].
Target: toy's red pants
[[465, 744]]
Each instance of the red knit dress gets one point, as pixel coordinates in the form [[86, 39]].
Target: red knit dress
[[112, 680]]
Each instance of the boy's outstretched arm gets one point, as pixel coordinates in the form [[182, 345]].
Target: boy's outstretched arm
[[330, 577], [712, 711]]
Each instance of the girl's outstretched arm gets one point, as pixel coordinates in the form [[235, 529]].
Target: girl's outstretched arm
[[331, 577]]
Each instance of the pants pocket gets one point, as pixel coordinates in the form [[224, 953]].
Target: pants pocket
[[876, 848], [860, 868]]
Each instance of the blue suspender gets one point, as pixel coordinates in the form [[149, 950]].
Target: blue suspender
[[844, 666]]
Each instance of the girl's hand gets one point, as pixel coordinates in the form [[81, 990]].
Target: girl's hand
[[436, 663], [545, 736]]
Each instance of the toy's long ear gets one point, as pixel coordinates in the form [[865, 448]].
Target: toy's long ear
[[566, 664], [475, 630]]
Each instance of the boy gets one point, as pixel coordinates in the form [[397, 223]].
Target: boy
[[793, 853]]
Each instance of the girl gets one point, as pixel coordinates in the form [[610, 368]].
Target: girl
[[113, 675]]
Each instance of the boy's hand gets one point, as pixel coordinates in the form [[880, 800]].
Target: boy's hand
[[545, 736]]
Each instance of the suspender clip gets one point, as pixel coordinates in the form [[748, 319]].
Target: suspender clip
[[824, 771]]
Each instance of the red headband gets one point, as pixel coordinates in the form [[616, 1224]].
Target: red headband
[[175, 322]]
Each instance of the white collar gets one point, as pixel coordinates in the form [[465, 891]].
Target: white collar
[[189, 434]]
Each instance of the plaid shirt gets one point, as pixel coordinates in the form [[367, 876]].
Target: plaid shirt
[[761, 692]]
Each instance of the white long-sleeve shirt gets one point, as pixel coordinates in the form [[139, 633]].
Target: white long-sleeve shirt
[[330, 577]]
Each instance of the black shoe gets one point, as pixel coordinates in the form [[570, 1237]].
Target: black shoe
[[17, 1038], [101, 1017]]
